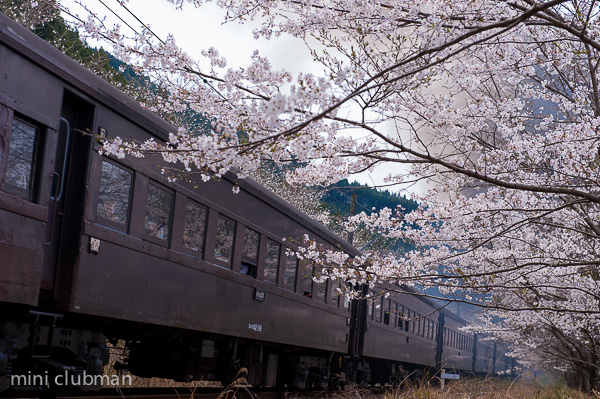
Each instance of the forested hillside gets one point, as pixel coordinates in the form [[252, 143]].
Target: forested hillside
[[337, 198]]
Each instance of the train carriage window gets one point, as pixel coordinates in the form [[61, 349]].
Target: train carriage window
[[415, 323], [224, 239], [194, 230], [394, 314], [114, 196], [371, 305], [347, 301], [320, 288], [272, 262], [249, 252], [307, 282], [158, 212], [377, 309], [334, 296], [406, 317], [400, 316], [386, 312], [291, 267], [429, 329], [20, 168]]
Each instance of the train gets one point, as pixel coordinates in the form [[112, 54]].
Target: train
[[197, 282]]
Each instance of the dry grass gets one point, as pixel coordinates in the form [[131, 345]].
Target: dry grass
[[489, 388], [472, 389]]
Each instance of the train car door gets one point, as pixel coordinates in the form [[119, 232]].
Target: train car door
[[67, 201]]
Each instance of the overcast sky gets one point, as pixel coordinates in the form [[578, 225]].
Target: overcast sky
[[197, 29]]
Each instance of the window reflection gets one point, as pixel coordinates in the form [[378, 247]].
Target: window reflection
[[224, 240], [250, 249], [320, 289], [386, 312], [249, 252], [347, 301], [194, 229], [307, 272], [291, 266], [158, 212], [272, 262], [377, 309], [21, 156], [114, 194], [334, 297]]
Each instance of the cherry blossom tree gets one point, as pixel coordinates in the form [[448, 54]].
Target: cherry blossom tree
[[495, 104]]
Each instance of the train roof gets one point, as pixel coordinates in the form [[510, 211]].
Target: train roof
[[47, 56]]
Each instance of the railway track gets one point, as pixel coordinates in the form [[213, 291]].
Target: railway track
[[170, 393]]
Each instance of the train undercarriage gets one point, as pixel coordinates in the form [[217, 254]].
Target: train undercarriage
[[41, 350]]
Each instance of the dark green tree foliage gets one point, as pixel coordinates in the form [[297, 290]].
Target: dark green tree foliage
[[337, 198]]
